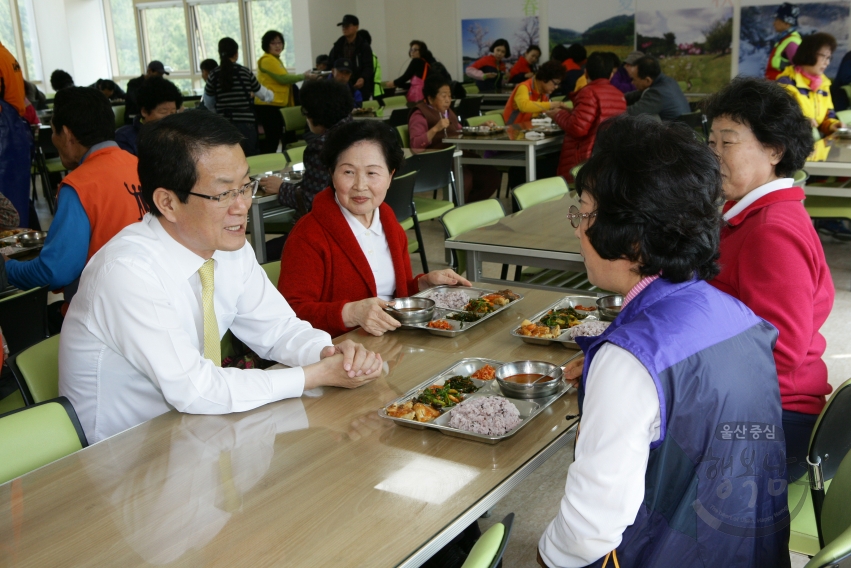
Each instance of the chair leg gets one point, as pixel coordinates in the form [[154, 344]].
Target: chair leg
[[420, 243], [518, 273], [504, 274]]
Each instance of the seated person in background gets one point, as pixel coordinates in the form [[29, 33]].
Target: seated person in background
[[143, 336], [206, 67], [342, 73], [680, 361], [489, 71], [155, 69], [762, 139], [60, 79], [843, 78], [95, 201], [109, 89], [35, 96], [526, 66], [806, 82], [655, 93], [419, 67], [158, 98], [346, 260], [573, 59], [9, 218], [532, 97], [433, 119], [323, 63], [325, 105], [622, 78], [598, 101]]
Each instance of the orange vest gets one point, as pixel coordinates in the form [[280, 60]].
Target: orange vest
[[108, 187], [512, 114]]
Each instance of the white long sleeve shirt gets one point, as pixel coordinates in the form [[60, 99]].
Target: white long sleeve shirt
[[621, 417], [132, 340]]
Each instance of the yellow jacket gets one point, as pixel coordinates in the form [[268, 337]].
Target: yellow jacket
[[273, 75], [817, 105]]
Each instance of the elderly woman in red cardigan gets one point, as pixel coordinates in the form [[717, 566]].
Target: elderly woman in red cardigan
[[347, 259]]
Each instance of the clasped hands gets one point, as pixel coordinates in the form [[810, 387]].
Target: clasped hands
[[347, 365]]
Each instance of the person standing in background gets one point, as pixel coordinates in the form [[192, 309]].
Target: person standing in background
[[378, 86], [353, 47], [788, 40], [15, 136]]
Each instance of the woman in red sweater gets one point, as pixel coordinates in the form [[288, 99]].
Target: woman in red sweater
[[771, 257], [346, 260]]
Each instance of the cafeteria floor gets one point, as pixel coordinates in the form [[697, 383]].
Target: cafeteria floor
[[535, 501]]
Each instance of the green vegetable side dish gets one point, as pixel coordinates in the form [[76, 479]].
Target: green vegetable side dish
[[447, 396], [561, 317], [461, 384], [479, 306], [464, 316]]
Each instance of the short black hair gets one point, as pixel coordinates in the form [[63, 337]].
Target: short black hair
[[425, 54], [599, 66], [503, 43], [106, 84], [322, 59], [208, 65], [559, 53], [648, 66], [365, 36], [807, 53], [346, 135], [533, 47], [774, 117], [86, 113], [326, 102], [433, 83], [616, 61], [551, 71], [169, 150], [577, 53], [658, 193], [156, 90], [269, 37], [60, 79]]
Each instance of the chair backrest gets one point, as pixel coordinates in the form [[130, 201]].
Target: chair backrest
[[118, 111], [801, 177], [266, 163], [468, 217], [295, 154], [190, 104], [471, 88], [23, 318], [294, 121], [404, 135], [844, 116], [395, 101], [469, 107], [37, 435], [273, 271], [435, 169], [831, 438], [371, 104], [539, 191], [836, 521], [399, 117], [400, 195], [489, 549], [36, 369]]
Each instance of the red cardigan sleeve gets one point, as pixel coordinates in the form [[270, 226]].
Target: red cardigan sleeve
[[578, 122]]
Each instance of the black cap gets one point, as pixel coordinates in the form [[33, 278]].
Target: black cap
[[343, 64], [349, 20], [157, 67]]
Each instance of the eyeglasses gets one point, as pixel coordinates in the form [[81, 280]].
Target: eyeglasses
[[227, 198], [576, 217]]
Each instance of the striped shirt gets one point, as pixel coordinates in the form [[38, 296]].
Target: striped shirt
[[638, 289], [235, 104]]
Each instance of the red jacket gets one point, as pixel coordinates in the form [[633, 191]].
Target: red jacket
[[593, 104], [772, 260], [323, 267]]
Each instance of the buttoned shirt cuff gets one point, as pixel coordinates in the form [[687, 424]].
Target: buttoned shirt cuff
[[287, 383]]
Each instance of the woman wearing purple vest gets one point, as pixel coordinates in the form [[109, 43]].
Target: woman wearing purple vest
[[680, 457]]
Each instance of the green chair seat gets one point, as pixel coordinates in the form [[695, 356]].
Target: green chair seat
[[488, 550], [273, 271], [54, 165], [36, 369], [428, 208], [266, 163], [468, 217], [826, 207], [494, 111], [400, 100], [12, 402], [371, 104], [539, 191], [296, 153], [471, 88], [478, 120]]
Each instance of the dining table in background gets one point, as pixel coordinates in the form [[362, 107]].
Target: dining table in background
[[831, 157], [311, 482], [495, 101]]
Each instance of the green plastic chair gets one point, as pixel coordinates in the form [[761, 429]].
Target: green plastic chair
[[400, 198], [36, 369], [844, 116], [558, 98], [466, 218], [37, 435], [295, 154], [471, 88], [273, 271], [118, 111], [400, 100], [489, 549], [294, 121], [266, 163], [498, 111], [12, 402], [801, 177], [836, 521], [404, 135], [479, 120], [828, 207], [538, 191], [434, 171], [190, 104]]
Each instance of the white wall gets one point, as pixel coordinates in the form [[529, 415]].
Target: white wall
[[89, 47], [433, 22]]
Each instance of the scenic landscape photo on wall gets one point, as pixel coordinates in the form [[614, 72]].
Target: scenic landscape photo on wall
[[610, 26], [757, 34], [478, 34], [693, 44]]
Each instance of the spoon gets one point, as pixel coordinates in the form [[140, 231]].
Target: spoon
[[572, 357]]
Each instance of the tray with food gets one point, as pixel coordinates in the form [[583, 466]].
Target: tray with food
[[548, 130], [561, 321], [460, 308], [465, 401], [483, 130]]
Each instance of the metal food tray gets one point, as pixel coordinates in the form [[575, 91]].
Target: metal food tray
[[457, 327], [548, 129], [528, 408], [562, 303], [482, 130]]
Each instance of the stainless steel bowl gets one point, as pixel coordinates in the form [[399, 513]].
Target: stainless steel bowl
[[609, 306], [412, 310], [537, 390], [843, 132], [32, 239]]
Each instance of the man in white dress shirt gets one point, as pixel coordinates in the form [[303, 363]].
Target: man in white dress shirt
[[143, 334]]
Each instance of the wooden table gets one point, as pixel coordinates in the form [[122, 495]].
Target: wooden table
[[513, 150], [313, 482], [831, 157], [538, 236]]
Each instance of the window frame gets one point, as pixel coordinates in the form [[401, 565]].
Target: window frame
[[20, 48]]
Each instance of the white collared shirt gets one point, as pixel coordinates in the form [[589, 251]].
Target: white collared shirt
[[754, 194], [132, 341], [373, 243]]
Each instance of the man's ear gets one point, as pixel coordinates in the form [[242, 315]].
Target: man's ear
[[166, 202]]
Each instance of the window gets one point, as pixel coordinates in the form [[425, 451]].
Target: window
[[30, 40], [17, 33], [124, 38], [7, 31], [272, 15], [164, 30], [212, 23]]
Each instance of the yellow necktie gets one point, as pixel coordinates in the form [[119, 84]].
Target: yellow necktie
[[212, 341]]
